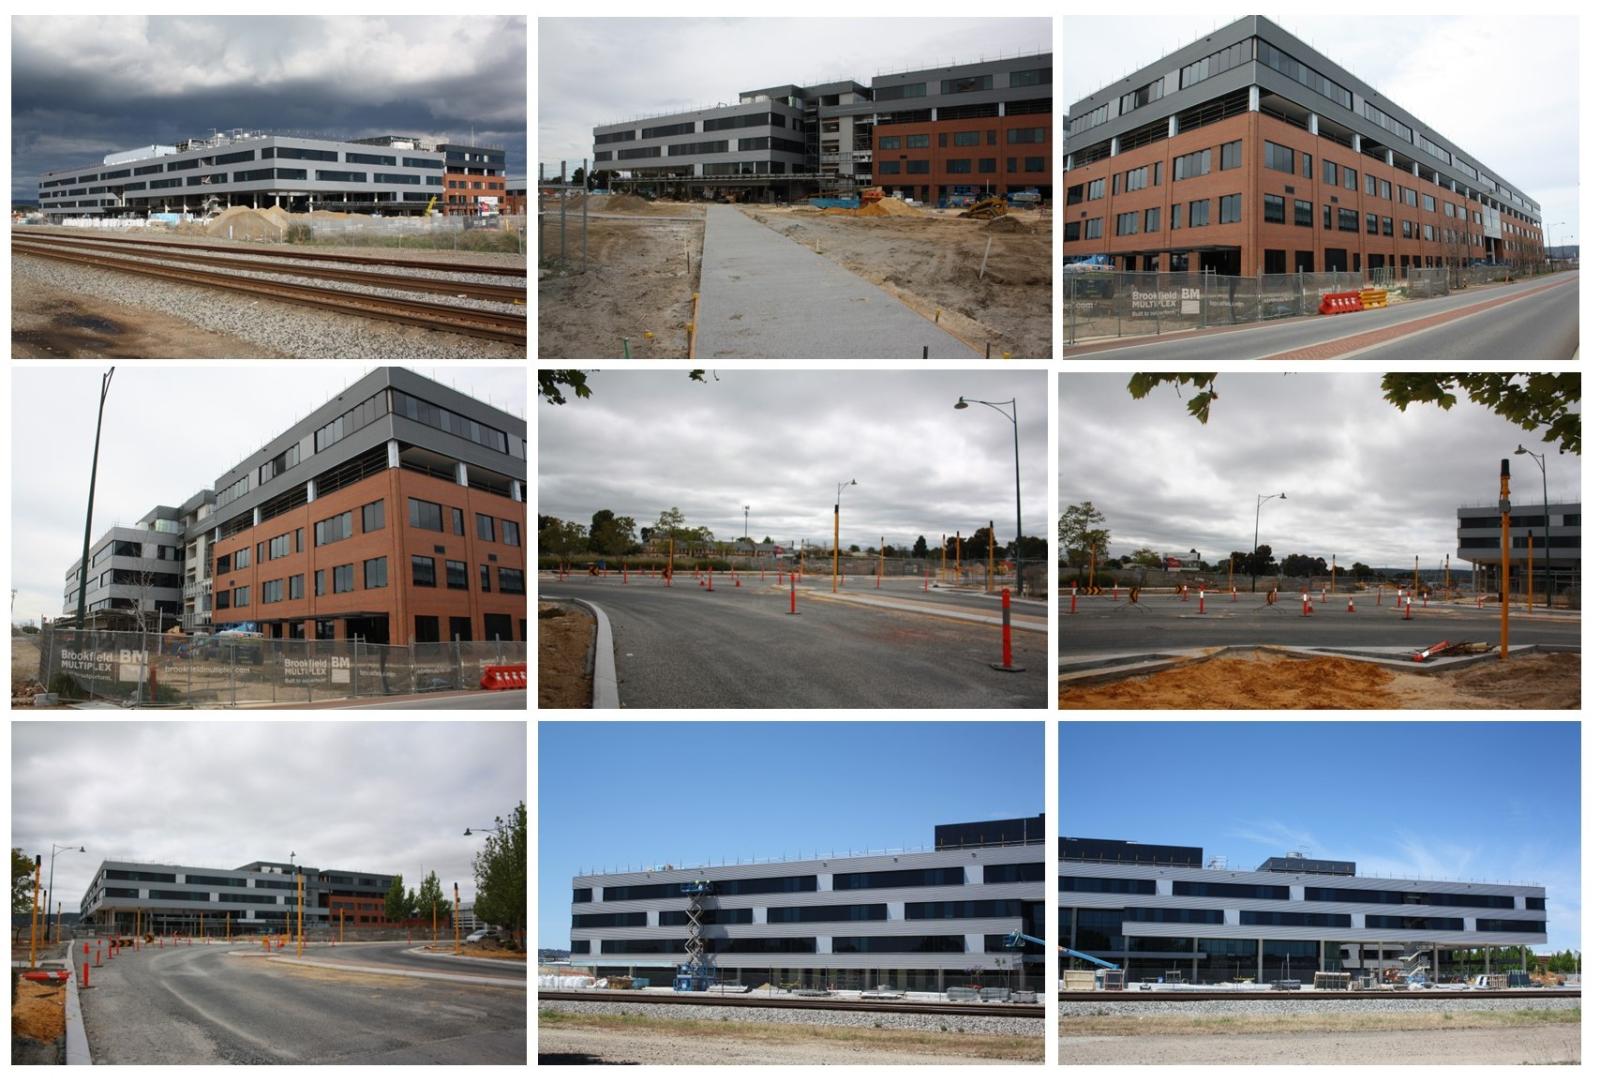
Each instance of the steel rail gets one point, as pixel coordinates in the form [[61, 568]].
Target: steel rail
[[1306, 996], [506, 294], [501, 327], [328, 257], [907, 1007]]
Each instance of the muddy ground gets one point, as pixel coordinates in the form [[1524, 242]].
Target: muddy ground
[[1261, 681], [643, 272], [566, 633], [931, 262], [47, 322]]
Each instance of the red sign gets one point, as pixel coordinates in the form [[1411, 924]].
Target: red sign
[[777, 550]]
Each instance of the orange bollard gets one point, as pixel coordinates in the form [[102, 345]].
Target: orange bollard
[[1116, 593], [791, 594], [1408, 610], [1305, 604], [1351, 608], [1202, 603], [1234, 591], [1005, 634], [1074, 607]]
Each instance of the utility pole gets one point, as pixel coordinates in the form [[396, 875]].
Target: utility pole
[[456, 887], [88, 515]]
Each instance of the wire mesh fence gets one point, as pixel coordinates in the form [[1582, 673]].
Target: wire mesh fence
[[458, 233], [155, 669]]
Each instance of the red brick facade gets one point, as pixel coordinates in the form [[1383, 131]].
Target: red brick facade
[[397, 602], [1271, 247], [992, 161], [461, 192]]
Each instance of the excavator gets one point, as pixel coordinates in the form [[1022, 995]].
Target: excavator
[[990, 206]]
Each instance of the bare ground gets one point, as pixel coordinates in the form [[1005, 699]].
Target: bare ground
[[566, 632], [931, 263], [639, 286], [47, 322], [1550, 1044], [566, 1038], [1264, 682]]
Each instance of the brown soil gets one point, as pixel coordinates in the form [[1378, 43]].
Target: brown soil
[[479, 950], [931, 263], [566, 634], [47, 322], [639, 287], [39, 1011], [1267, 682], [630, 204]]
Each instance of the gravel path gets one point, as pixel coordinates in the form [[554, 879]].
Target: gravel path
[[1289, 1007], [965, 1024], [559, 1045], [1559, 1044], [291, 330]]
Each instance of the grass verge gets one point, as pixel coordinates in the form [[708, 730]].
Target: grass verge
[[1145, 1026], [952, 1043]]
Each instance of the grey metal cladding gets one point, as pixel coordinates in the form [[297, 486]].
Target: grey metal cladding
[[933, 77]]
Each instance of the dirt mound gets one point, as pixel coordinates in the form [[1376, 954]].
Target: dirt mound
[[901, 208], [244, 224], [1007, 224], [631, 204]]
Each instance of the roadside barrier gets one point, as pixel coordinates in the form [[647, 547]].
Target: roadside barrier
[[1004, 664], [791, 594], [1345, 301], [86, 966], [1374, 297], [504, 678], [1074, 606]]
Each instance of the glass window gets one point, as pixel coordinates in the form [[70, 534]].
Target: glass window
[[1372, 224], [844, 912], [1230, 890], [425, 515], [422, 572], [1349, 177], [483, 578], [333, 529], [1021, 872], [1330, 172], [1177, 216], [375, 572], [889, 878], [916, 142], [297, 586], [1197, 164], [1302, 213], [372, 516], [511, 581], [1287, 917], [510, 533], [344, 578], [893, 944], [1152, 220], [1228, 208], [321, 581], [1199, 212], [1106, 885], [1348, 222], [1232, 154], [1279, 157], [455, 575], [457, 521]]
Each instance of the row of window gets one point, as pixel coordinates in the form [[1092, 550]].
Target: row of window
[[844, 881], [340, 579], [787, 945], [961, 165]]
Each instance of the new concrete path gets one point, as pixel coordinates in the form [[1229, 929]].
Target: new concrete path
[[763, 295]]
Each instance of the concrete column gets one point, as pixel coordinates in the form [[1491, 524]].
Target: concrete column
[[255, 515], [1069, 162], [394, 454], [1255, 99], [516, 490], [1260, 946], [1172, 126], [1388, 157], [1194, 964], [1002, 108], [1116, 146], [1416, 170], [1355, 143], [461, 474], [1311, 124]]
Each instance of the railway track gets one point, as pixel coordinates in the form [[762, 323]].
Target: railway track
[[321, 257], [477, 323], [486, 291], [906, 1007], [1310, 995]]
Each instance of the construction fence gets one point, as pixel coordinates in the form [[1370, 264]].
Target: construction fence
[[856, 567], [457, 233], [153, 669]]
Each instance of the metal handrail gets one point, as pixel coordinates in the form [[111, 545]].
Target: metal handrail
[[816, 856]]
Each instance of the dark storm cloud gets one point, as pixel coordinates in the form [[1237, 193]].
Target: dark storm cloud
[[781, 441], [1365, 481], [86, 86]]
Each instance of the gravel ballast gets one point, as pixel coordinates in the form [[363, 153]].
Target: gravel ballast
[[288, 329], [754, 1013], [1290, 1007]]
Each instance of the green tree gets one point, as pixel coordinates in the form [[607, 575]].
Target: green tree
[[920, 549], [21, 882], [610, 534], [578, 177], [855, 548], [1080, 534], [1530, 400], [551, 381], [411, 903], [501, 869], [394, 901], [563, 538], [431, 898], [1144, 558], [1033, 548], [669, 524], [1360, 570], [1298, 566]]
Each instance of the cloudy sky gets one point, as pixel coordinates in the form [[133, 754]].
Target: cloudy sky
[[1449, 71], [670, 65], [364, 796], [168, 433], [1364, 481], [86, 85], [781, 441]]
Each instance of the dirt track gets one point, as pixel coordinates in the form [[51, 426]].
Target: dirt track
[[639, 285], [562, 1044], [931, 262], [565, 635], [1267, 682], [1559, 1044]]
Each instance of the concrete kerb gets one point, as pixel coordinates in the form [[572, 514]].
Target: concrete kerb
[[77, 1037], [422, 951], [1102, 669], [951, 612], [396, 972], [607, 696]]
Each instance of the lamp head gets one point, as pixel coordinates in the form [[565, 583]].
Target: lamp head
[[81, 850], [1522, 450], [467, 833], [961, 403]]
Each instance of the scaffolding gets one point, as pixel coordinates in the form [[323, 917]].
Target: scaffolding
[[696, 975]]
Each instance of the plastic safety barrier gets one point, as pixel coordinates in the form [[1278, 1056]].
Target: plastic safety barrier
[[1344, 301], [503, 678]]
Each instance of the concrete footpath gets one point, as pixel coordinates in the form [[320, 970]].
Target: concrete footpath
[[762, 295]]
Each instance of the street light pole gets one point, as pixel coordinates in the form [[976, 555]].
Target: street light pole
[[88, 515], [1255, 545], [747, 524], [1016, 462], [50, 894], [837, 495], [1544, 482]]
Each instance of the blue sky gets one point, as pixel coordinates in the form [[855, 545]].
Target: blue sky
[[616, 794], [1468, 800]]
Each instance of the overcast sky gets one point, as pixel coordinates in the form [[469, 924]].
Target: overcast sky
[[1451, 72], [362, 796], [86, 85], [1365, 481], [781, 441], [681, 64], [168, 433]]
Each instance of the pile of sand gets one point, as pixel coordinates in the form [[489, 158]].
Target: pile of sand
[[900, 207], [1007, 224], [245, 224]]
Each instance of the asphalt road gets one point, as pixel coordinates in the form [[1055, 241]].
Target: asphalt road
[[447, 701], [910, 590], [682, 646], [1541, 327], [1102, 626], [400, 956], [202, 1005]]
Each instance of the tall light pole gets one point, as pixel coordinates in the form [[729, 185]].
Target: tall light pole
[[88, 515], [1260, 500], [1545, 483], [1549, 232], [1016, 461], [747, 524], [50, 893], [838, 493]]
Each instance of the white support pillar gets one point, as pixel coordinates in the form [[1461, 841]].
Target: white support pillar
[[1388, 157], [461, 474], [1416, 170], [1355, 142], [1069, 161], [393, 448], [255, 515], [1172, 126], [1311, 124], [311, 491], [1255, 99], [1260, 950], [1116, 146]]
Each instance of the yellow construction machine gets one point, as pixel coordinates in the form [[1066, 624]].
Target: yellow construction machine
[[987, 207]]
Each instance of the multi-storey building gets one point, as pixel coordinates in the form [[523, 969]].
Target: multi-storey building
[[252, 170], [937, 134], [135, 570], [1478, 544], [922, 920], [263, 896], [395, 513], [1248, 152], [1158, 910], [474, 178], [950, 133]]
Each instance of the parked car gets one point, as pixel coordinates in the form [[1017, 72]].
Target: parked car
[[480, 935]]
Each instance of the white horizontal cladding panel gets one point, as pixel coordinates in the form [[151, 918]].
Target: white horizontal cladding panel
[[1324, 932], [1284, 879], [847, 961], [924, 859], [1095, 900], [953, 927]]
